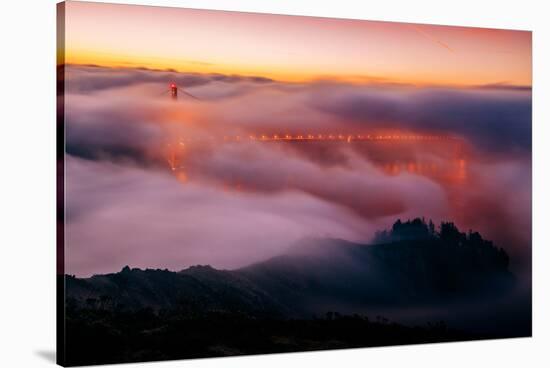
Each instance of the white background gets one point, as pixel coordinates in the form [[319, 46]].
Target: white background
[[27, 181]]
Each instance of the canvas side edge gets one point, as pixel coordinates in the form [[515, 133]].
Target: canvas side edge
[[60, 185]]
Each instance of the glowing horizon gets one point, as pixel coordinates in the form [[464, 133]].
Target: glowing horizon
[[294, 48]]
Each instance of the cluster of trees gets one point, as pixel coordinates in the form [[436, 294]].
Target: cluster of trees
[[467, 252], [418, 228], [411, 229]]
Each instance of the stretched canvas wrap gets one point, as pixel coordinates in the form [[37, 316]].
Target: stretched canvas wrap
[[236, 183]]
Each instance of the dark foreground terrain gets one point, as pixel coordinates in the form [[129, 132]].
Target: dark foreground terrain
[[321, 294], [95, 337]]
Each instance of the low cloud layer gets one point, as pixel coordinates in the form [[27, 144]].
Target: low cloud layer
[[119, 215], [232, 203], [493, 119]]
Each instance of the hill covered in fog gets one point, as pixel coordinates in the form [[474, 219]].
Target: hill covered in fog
[[409, 265]]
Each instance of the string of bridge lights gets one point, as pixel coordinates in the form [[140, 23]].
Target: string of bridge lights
[[323, 137]]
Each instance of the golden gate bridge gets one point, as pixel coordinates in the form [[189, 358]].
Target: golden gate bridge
[[175, 150], [453, 172]]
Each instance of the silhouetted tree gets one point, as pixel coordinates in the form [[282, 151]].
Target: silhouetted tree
[[431, 228], [449, 232]]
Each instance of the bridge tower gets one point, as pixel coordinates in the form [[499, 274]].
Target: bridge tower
[[174, 91]]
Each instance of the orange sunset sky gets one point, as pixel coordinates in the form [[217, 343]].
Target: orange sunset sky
[[292, 48]]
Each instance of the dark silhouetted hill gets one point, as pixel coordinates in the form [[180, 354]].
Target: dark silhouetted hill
[[411, 264]]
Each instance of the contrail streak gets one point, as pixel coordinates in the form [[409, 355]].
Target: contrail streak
[[432, 38]]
